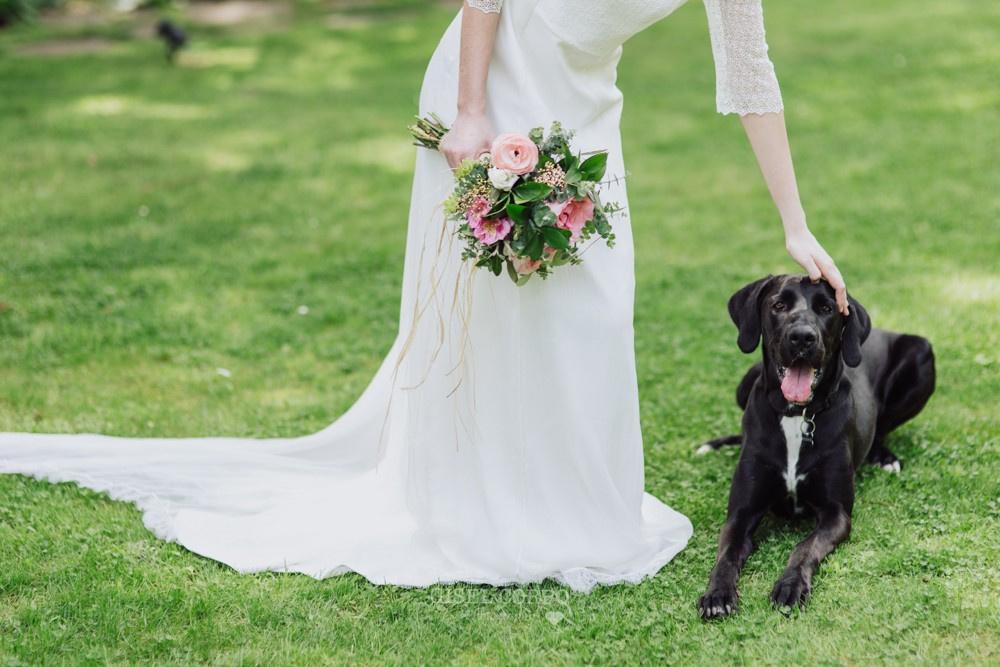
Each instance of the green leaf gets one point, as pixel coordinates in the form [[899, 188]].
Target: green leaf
[[499, 206], [535, 247], [520, 241], [560, 258], [557, 238], [531, 191], [571, 166], [517, 213], [511, 272], [593, 168]]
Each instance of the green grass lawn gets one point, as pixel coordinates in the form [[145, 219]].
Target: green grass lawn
[[159, 223]]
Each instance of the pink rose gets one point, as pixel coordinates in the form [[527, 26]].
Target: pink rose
[[525, 265], [573, 215], [515, 153], [490, 230]]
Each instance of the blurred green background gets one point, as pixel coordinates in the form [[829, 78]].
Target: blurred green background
[[215, 247]]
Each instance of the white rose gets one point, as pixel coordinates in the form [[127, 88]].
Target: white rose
[[502, 179]]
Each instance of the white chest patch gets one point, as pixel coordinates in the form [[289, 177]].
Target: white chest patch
[[792, 427]]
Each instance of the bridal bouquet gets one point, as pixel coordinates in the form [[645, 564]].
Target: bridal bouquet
[[529, 205]]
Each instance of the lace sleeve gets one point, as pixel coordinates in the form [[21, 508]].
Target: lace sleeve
[[486, 6], [745, 78]]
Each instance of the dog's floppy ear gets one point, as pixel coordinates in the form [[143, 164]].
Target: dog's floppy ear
[[856, 331], [744, 308]]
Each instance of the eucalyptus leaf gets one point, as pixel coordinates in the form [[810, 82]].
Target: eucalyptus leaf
[[543, 216], [520, 241]]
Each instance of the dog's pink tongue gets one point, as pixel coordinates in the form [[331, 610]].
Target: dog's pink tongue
[[797, 383]]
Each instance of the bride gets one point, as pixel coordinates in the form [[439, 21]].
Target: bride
[[499, 442]]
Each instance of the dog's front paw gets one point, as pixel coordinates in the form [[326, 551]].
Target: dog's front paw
[[791, 591], [718, 603]]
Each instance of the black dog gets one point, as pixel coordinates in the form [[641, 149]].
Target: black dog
[[173, 37], [829, 390]]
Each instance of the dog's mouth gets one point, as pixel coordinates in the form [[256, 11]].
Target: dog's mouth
[[798, 381]]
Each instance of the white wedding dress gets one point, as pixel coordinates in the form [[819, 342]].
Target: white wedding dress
[[499, 442]]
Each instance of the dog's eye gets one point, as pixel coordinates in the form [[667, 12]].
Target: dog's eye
[[778, 306], [826, 309]]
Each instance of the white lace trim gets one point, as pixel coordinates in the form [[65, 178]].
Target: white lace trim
[[745, 78], [486, 6]]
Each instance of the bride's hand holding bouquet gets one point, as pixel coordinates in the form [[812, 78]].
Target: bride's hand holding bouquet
[[470, 136], [526, 202]]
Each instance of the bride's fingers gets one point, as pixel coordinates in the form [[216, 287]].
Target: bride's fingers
[[455, 157], [809, 264], [832, 275], [449, 156], [842, 304]]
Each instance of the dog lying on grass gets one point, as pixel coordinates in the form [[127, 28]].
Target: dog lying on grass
[[821, 402]]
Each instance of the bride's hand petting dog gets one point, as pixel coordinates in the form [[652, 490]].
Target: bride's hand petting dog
[[820, 404]]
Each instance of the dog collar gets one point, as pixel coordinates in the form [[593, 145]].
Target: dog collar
[[808, 427]]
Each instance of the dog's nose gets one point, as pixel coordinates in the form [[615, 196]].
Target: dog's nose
[[802, 338]]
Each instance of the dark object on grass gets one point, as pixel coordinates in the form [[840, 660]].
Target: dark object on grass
[[828, 392], [172, 35]]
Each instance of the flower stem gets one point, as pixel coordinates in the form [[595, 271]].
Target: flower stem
[[428, 131]]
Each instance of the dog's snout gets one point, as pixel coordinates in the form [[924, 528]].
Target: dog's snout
[[802, 338]]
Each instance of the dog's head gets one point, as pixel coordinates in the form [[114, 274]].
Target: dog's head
[[805, 336]]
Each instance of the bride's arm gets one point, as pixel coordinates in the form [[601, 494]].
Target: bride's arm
[[770, 144], [746, 85], [472, 131]]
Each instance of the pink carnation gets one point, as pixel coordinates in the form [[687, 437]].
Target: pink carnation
[[573, 215]]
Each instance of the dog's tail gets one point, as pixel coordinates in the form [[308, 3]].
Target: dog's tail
[[718, 443]]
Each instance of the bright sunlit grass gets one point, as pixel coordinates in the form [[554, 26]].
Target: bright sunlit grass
[[162, 229]]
